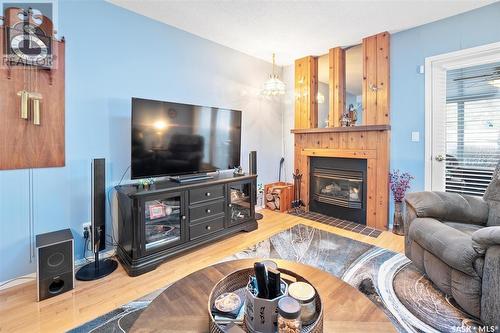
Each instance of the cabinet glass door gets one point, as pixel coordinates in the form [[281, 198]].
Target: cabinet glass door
[[241, 202], [162, 222]]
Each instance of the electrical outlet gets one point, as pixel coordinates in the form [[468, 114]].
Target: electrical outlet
[[86, 225]]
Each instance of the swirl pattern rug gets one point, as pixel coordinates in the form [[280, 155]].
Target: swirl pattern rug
[[387, 278]]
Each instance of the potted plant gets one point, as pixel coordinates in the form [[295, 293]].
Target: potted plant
[[399, 183]]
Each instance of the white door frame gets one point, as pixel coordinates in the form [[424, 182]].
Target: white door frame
[[435, 93]]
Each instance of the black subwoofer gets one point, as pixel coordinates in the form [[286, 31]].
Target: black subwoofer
[[55, 264]]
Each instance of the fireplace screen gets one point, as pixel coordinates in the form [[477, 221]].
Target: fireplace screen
[[338, 187]]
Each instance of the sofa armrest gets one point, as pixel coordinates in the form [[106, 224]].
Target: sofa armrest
[[483, 238], [449, 207]]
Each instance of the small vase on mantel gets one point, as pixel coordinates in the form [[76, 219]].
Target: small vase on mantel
[[398, 224]]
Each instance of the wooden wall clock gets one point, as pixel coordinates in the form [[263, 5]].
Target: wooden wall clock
[[31, 92]]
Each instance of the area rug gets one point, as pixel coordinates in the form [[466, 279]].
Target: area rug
[[387, 278]]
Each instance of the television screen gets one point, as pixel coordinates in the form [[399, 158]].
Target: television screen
[[171, 139]]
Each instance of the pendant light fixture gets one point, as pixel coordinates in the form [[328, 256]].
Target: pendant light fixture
[[274, 86]]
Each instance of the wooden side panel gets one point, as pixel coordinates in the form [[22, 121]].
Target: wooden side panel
[[369, 81], [336, 58], [306, 89], [371, 195], [313, 88], [376, 78], [383, 78], [382, 180], [23, 144]]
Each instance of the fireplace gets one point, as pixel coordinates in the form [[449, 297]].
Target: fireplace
[[338, 188]]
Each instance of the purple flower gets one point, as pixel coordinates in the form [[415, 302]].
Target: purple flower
[[399, 183]]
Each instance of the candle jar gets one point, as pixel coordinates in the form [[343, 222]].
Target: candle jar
[[305, 295]]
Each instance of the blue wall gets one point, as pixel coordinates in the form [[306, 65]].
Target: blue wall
[[409, 49], [111, 55]]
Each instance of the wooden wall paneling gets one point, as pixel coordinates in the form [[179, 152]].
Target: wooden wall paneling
[[23, 144], [376, 79], [313, 88], [371, 205], [334, 141], [382, 180], [306, 89], [344, 140], [369, 116], [357, 140], [383, 78], [336, 58]]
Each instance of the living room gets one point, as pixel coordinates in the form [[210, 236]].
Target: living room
[[174, 165]]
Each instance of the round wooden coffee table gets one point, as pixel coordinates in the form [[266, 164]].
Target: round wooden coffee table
[[182, 307]]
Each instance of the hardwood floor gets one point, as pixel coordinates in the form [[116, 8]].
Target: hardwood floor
[[20, 312]]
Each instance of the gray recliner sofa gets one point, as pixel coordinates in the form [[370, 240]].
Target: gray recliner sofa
[[455, 240]]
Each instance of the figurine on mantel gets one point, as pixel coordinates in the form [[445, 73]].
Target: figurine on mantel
[[349, 117]]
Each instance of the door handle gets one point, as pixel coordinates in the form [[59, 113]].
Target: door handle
[[440, 158]]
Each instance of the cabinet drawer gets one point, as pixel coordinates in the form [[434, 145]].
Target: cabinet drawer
[[206, 193], [206, 228], [206, 210]]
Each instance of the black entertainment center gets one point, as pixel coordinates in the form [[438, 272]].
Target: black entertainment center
[[168, 218], [197, 203]]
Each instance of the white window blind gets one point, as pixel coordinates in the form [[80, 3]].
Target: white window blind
[[472, 127]]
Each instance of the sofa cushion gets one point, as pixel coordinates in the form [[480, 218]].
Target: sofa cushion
[[452, 246], [449, 207], [464, 227], [492, 197]]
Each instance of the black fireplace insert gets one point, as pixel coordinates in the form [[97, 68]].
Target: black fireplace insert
[[338, 188]]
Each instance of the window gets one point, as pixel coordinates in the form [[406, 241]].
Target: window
[[472, 127]]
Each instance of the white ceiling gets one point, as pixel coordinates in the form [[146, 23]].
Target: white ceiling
[[293, 29]]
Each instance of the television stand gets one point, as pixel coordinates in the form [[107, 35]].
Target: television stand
[[190, 178], [169, 218]]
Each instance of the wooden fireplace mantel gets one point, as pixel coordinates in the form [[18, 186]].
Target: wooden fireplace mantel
[[369, 141], [372, 145], [341, 129]]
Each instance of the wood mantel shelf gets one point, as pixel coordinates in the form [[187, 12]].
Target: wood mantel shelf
[[365, 128]]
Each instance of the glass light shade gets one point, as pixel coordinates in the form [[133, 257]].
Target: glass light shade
[[273, 87], [496, 83]]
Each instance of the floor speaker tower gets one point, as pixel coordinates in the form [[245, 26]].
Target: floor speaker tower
[[55, 269], [99, 268], [252, 169], [252, 162]]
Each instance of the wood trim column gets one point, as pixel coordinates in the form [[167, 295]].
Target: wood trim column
[[306, 89], [376, 77], [336, 58]]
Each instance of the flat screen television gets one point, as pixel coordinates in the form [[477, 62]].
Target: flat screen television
[[172, 139]]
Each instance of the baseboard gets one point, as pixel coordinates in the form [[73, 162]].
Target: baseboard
[[32, 276], [17, 281]]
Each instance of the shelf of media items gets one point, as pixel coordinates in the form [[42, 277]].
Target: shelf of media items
[[169, 217]]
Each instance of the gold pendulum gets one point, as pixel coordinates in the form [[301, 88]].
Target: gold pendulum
[[36, 112], [24, 103]]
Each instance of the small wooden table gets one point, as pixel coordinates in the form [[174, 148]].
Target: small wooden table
[[182, 307]]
